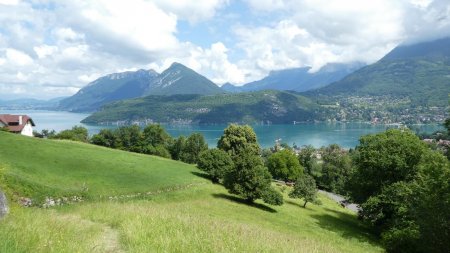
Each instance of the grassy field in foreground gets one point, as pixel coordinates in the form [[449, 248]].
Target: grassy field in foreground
[[199, 218], [41, 168]]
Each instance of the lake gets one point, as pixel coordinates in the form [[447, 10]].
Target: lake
[[316, 134]]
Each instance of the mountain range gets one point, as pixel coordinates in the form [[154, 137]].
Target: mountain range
[[30, 104], [409, 81], [177, 79], [419, 73], [298, 79]]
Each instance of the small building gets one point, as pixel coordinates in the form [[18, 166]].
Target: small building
[[21, 124]]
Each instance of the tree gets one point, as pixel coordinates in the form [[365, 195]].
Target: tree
[[217, 163], [305, 188], [383, 159], [305, 157], [129, 138], [430, 202], [235, 137], [404, 191], [155, 135], [156, 141], [77, 133], [336, 168], [177, 147], [250, 179], [195, 144], [284, 165], [105, 138]]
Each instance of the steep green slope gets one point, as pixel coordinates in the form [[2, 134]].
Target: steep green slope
[[253, 107], [183, 213], [38, 168]]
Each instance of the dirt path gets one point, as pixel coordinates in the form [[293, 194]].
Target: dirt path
[[339, 198], [107, 242]]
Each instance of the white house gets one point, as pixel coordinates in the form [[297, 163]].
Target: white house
[[17, 123]]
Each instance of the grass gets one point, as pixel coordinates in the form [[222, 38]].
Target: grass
[[38, 168], [199, 218]]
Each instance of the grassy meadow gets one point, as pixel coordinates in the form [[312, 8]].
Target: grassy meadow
[[140, 203]]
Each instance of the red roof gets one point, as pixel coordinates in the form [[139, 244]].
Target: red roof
[[12, 121]]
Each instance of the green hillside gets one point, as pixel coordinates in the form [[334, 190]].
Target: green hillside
[[139, 203], [419, 73], [253, 107]]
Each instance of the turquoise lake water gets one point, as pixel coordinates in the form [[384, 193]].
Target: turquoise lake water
[[316, 134]]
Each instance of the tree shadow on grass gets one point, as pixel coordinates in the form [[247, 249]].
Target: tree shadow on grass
[[244, 202], [346, 225], [200, 174], [290, 202]]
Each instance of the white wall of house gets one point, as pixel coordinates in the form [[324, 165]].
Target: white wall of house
[[2, 125], [27, 129]]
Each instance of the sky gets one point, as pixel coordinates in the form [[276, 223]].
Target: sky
[[53, 48]]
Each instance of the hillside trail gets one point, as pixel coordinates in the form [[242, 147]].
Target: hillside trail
[[108, 241]]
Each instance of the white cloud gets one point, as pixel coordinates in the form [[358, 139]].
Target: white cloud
[[194, 11], [45, 50], [136, 24], [17, 57], [62, 45], [67, 34], [9, 2]]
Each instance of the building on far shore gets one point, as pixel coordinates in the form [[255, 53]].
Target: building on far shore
[[20, 124]]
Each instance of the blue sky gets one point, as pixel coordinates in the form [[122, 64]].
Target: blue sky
[[53, 48]]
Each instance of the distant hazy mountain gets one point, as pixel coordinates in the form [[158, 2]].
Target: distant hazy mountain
[[109, 88], [228, 87], [30, 104], [298, 79], [419, 72], [177, 79]]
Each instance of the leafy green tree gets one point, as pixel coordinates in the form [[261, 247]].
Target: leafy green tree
[[336, 168], [306, 159], [383, 159], [46, 133], [195, 144], [250, 179], [284, 165], [156, 141], [430, 203], [305, 188], [236, 137], [77, 133], [158, 150], [106, 138], [155, 135], [177, 147], [216, 162], [129, 138]]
